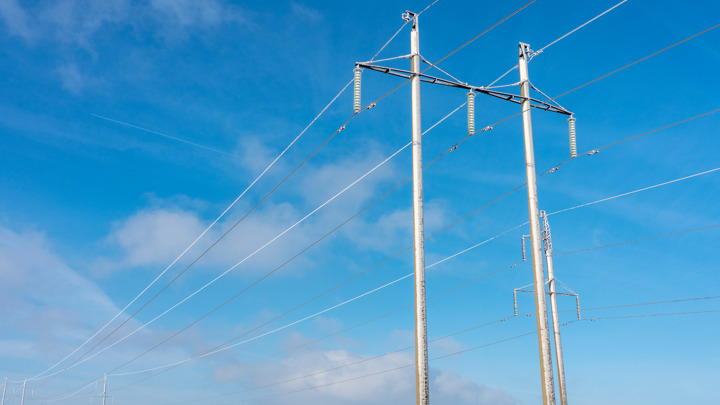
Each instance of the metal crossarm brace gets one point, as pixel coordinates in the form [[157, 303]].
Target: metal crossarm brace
[[517, 99]]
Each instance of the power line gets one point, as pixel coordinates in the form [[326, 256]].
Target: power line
[[635, 191], [539, 51], [325, 371], [652, 303], [461, 352], [481, 34], [566, 210], [391, 312], [392, 369], [640, 60], [594, 151], [220, 348], [605, 199], [249, 256], [466, 250], [650, 315], [628, 65], [637, 240], [371, 105], [611, 73], [444, 118], [37, 376], [556, 41]]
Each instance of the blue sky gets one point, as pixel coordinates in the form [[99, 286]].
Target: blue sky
[[128, 127]]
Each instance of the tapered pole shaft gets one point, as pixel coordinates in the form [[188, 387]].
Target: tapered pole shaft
[[554, 309], [546, 371], [421, 353], [4, 389], [104, 389], [22, 398]]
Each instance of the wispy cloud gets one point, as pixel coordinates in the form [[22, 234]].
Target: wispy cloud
[[43, 297], [16, 19]]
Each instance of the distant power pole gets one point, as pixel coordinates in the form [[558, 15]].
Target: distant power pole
[[4, 388], [546, 371], [554, 308], [22, 398], [104, 389]]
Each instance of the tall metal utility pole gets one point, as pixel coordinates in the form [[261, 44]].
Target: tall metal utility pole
[[554, 308], [22, 398], [104, 389], [422, 383], [4, 388], [543, 332], [415, 76]]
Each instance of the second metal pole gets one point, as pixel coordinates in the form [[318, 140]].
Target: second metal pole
[[104, 389], [554, 309], [422, 382], [4, 388], [543, 332], [22, 398]]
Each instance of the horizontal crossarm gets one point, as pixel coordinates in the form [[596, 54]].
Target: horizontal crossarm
[[438, 80]]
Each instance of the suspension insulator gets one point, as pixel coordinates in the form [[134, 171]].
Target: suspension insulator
[[471, 112], [573, 143], [356, 90]]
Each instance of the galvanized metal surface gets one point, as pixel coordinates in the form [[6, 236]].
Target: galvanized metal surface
[[422, 382], [548, 388], [554, 308]]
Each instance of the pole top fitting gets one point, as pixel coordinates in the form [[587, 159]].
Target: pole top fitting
[[408, 15], [525, 50]]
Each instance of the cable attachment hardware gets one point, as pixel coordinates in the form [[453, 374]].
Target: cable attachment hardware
[[593, 152], [357, 78], [408, 15]]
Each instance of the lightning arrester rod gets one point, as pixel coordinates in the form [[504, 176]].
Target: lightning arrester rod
[[546, 370]]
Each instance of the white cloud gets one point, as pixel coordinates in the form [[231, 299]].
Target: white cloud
[[305, 12], [73, 80], [323, 181], [156, 236], [16, 19], [353, 384], [152, 237], [77, 21], [184, 13], [44, 301], [449, 388]]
